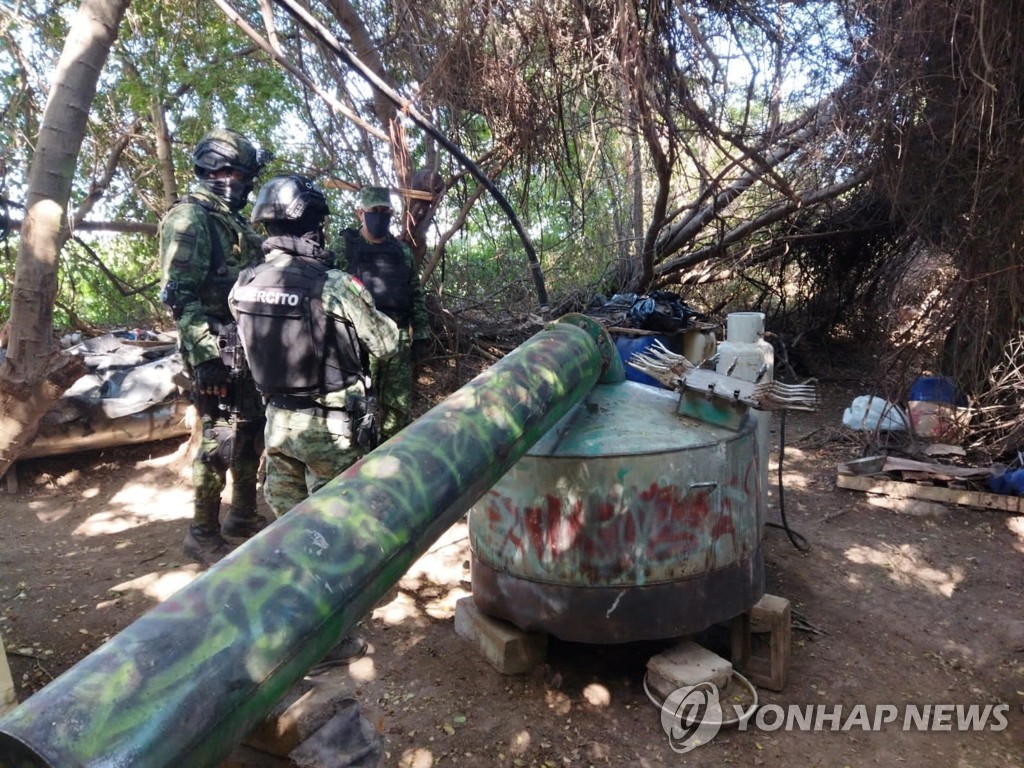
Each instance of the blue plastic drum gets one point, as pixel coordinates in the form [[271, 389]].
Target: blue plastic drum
[[933, 389], [629, 346]]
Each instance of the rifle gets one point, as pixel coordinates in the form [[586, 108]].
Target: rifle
[[233, 356], [363, 413]]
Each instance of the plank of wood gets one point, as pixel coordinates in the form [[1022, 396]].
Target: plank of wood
[[900, 490], [896, 464]]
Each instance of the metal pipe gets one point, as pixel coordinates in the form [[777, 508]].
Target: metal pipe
[[187, 681]]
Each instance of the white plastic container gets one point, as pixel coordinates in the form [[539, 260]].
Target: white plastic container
[[746, 355], [744, 351]]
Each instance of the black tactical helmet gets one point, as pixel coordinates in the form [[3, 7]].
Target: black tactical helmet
[[224, 148], [290, 197]]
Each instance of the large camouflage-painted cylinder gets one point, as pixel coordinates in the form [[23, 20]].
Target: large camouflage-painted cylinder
[[187, 681]]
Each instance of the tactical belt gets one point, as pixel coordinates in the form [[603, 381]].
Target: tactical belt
[[306, 405]]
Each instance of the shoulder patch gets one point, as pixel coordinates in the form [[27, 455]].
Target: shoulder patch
[[356, 286]]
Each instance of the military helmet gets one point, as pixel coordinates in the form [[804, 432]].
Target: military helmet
[[224, 148], [290, 197]]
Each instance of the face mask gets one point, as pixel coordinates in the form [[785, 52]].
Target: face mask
[[234, 192], [377, 222]]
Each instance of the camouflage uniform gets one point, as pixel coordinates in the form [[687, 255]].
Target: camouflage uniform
[[203, 247], [398, 293], [310, 440]]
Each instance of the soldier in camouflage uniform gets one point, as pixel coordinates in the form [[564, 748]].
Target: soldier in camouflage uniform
[[386, 266], [204, 244], [309, 333]]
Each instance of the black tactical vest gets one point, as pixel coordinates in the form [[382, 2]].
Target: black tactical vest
[[293, 347], [385, 271]]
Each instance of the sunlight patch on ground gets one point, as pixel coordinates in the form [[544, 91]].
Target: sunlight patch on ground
[[363, 670], [136, 505], [792, 452], [417, 757], [520, 743], [46, 514], [155, 502], [442, 563], [439, 580], [791, 479], [558, 701], [1016, 526], [907, 568], [398, 610], [160, 585], [181, 454], [438, 601], [597, 695], [917, 507]]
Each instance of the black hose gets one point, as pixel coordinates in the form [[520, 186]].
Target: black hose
[[798, 539]]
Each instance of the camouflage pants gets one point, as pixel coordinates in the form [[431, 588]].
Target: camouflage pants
[[228, 443], [393, 380], [304, 453]]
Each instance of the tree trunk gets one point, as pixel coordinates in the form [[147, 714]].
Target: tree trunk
[[420, 213], [35, 372], [163, 153]]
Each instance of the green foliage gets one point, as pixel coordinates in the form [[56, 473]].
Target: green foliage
[[581, 114], [183, 59], [89, 296]]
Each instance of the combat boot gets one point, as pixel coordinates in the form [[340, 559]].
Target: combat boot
[[205, 545], [349, 649], [243, 524], [242, 520]]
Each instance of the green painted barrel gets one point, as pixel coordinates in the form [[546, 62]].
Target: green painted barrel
[[626, 521]]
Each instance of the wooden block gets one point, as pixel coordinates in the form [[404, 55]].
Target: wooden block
[[304, 709], [509, 649], [11, 476], [771, 615], [740, 639]]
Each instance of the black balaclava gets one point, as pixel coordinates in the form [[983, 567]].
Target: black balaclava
[[378, 223], [303, 237], [234, 192]]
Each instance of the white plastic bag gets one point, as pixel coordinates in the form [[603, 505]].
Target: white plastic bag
[[868, 413]]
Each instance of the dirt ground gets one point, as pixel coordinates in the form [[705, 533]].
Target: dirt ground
[[896, 607]]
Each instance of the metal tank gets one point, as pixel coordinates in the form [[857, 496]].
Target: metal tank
[[627, 521]]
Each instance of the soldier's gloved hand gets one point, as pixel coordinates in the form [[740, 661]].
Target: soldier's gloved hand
[[419, 350], [212, 377]]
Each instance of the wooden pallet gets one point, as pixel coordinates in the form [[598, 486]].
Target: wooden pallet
[[920, 480]]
